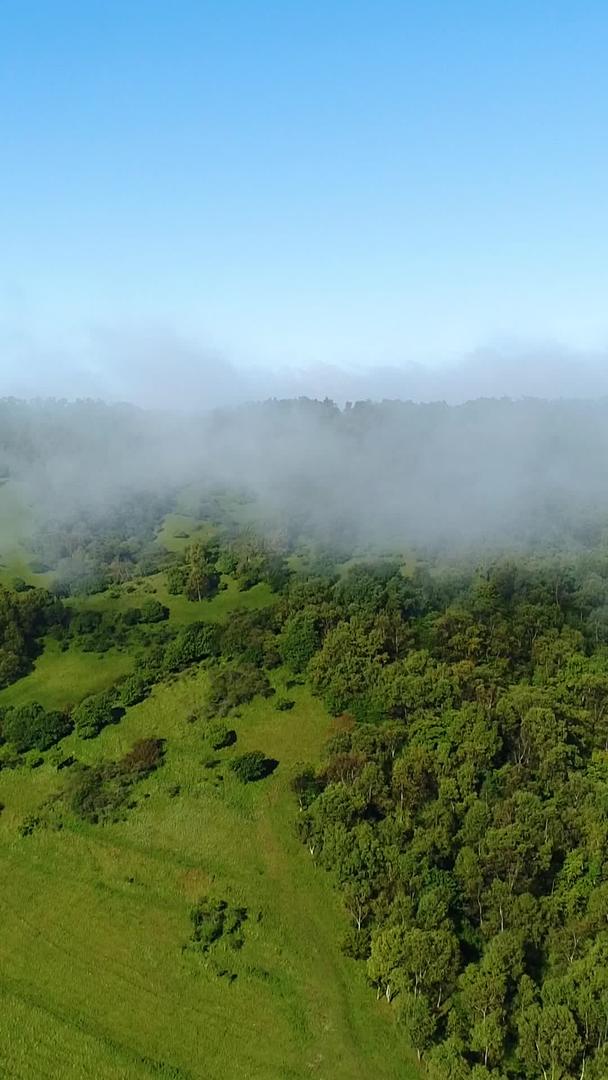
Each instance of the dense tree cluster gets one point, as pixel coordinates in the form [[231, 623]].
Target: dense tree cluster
[[246, 557], [98, 631], [31, 727], [509, 473], [25, 616], [465, 816]]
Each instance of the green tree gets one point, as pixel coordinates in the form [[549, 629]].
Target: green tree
[[299, 639], [254, 765], [95, 713], [29, 727]]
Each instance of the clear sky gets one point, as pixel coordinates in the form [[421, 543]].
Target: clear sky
[[303, 183]]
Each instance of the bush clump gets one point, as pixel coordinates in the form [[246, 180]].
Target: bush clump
[[152, 611], [219, 735], [232, 685], [31, 727], [284, 704], [194, 643], [101, 792], [254, 765], [133, 690], [95, 713], [215, 919]]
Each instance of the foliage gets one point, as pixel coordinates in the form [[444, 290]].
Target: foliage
[[233, 685], [152, 611], [132, 690], [95, 713], [101, 793], [29, 727], [213, 920], [196, 575], [194, 643], [219, 735], [467, 826], [284, 704], [24, 617], [249, 636], [254, 765], [300, 639]]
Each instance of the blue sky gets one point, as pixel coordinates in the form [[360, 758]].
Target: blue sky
[[302, 183]]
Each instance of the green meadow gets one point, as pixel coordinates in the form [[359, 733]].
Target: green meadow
[[95, 979]]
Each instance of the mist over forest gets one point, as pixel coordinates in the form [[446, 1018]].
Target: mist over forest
[[489, 473]]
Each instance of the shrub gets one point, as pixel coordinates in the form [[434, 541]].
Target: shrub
[[152, 665], [95, 713], [101, 792], [305, 785], [85, 622], [96, 793], [19, 585], [132, 616], [31, 727], [133, 690], [356, 943], [215, 919], [219, 735], [29, 825], [283, 704], [144, 757], [251, 766], [231, 686], [152, 611], [176, 580], [194, 643], [9, 758]]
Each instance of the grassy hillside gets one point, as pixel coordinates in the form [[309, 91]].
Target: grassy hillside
[[94, 981], [94, 919]]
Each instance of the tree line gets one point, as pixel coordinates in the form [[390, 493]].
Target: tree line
[[462, 808]]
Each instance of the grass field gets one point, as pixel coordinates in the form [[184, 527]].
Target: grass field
[[94, 918], [94, 982], [182, 610], [63, 678]]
